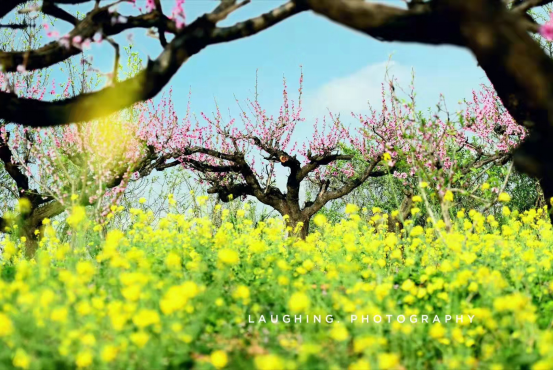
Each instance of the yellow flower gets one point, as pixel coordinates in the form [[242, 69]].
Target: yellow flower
[[228, 256], [416, 231], [145, 318], [351, 208], [59, 315], [139, 339], [109, 353], [408, 285], [74, 196], [219, 359], [21, 359], [504, 197], [299, 302], [268, 362], [24, 205], [320, 220], [308, 265], [387, 157], [423, 184], [437, 331], [86, 270], [77, 215], [485, 186], [84, 359], [173, 261], [449, 196], [142, 200], [388, 361], [202, 200], [242, 292], [361, 364], [417, 199], [339, 333]]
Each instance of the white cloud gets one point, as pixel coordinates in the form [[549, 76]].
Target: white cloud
[[353, 92]]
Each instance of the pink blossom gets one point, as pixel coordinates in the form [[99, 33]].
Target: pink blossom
[[64, 42], [546, 29]]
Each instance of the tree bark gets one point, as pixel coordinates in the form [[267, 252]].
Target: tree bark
[[304, 230], [33, 221]]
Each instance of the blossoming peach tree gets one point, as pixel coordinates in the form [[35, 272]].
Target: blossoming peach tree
[[447, 153], [240, 158], [467, 152]]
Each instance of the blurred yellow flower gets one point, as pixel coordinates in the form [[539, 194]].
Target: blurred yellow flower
[[228, 256], [109, 353], [84, 359], [388, 361], [77, 215], [351, 208], [219, 359], [139, 339], [24, 205], [146, 317], [299, 302], [268, 362], [339, 333], [21, 359], [320, 220]]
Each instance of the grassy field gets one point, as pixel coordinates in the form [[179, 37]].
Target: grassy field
[[180, 292]]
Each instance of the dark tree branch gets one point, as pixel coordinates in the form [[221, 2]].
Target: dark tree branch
[[49, 8], [211, 152], [226, 193], [7, 6], [15, 26], [388, 23], [21, 180], [96, 20], [145, 85], [325, 196], [161, 28], [204, 167], [323, 160], [478, 163], [526, 5]]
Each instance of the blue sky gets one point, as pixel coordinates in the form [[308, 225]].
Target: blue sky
[[343, 69]]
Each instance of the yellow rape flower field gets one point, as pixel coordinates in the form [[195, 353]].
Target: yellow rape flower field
[[179, 292]]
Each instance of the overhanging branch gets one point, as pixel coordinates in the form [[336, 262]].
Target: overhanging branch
[[145, 85]]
